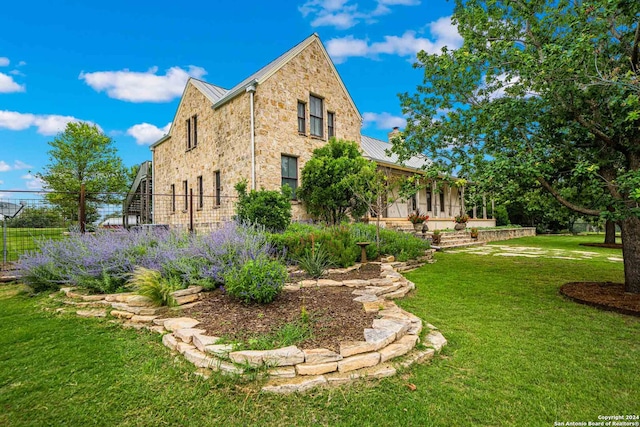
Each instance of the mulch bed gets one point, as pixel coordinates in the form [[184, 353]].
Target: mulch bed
[[603, 245], [365, 272], [604, 295], [335, 317]]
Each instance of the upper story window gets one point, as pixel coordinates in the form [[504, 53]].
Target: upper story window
[[290, 173], [302, 122], [331, 130], [316, 115], [441, 201], [192, 132]]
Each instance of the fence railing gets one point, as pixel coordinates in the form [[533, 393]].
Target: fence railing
[[27, 217]]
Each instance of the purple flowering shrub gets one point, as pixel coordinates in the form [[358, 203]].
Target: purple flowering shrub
[[103, 262]]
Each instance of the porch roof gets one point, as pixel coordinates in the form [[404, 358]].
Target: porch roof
[[376, 149]]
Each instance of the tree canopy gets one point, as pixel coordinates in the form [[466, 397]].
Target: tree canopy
[[541, 92], [83, 155], [331, 181]]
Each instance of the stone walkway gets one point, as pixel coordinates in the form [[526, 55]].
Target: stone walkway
[[532, 252]]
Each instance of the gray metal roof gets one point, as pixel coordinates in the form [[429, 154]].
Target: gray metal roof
[[212, 92], [375, 149]]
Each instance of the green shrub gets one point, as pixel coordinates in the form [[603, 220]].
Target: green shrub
[[259, 280], [43, 277], [105, 283], [403, 246], [315, 261], [268, 209], [151, 284], [340, 245]]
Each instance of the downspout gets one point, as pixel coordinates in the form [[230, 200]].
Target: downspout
[[252, 89]]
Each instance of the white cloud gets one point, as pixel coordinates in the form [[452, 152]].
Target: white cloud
[[21, 64], [33, 182], [4, 61], [8, 85], [1, 182], [342, 15], [443, 33], [383, 120], [145, 133], [148, 86], [47, 124], [17, 165], [4, 166]]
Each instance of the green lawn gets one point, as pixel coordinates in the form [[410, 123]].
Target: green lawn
[[518, 354], [20, 240]]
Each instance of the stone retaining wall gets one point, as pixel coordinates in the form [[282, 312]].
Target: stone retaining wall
[[504, 234], [393, 336]]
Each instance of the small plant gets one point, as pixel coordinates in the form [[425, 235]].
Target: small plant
[[315, 261], [474, 232], [417, 218], [259, 280], [461, 219], [151, 284], [435, 237]]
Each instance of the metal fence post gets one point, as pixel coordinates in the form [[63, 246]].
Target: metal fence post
[[83, 212], [191, 210]]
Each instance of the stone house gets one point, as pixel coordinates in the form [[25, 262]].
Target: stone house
[[263, 130]]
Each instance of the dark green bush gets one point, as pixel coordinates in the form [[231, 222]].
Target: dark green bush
[[259, 280], [269, 209], [403, 246]]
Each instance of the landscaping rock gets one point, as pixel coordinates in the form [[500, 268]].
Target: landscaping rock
[[121, 314], [92, 313], [170, 341], [355, 283], [359, 361], [189, 291], [138, 301], [399, 348], [221, 350], [157, 329], [133, 325], [372, 306], [349, 348], [198, 358], [201, 341], [400, 327], [379, 337], [226, 367], [185, 334], [179, 323], [379, 371], [436, 339], [367, 298], [320, 355], [308, 283], [142, 319], [299, 384], [282, 372], [417, 356], [117, 297], [93, 297], [400, 293], [186, 299], [247, 357], [328, 282], [285, 356], [316, 368], [181, 347]]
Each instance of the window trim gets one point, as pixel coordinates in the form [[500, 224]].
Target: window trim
[[318, 118], [217, 188], [185, 187], [200, 192], [286, 179], [331, 124], [173, 198], [302, 120]]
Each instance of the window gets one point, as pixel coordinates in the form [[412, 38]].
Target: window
[[185, 188], [429, 205], [330, 125], [302, 125], [217, 188], [441, 202], [315, 112], [173, 197], [200, 193], [192, 132], [290, 173]]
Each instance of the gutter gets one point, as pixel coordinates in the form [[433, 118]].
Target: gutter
[[232, 94]]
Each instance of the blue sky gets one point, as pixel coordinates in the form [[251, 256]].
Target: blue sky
[[123, 65]]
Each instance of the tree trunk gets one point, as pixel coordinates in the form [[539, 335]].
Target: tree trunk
[[631, 253], [610, 232]]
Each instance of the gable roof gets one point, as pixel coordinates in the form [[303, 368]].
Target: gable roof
[[375, 149], [212, 92], [271, 68]]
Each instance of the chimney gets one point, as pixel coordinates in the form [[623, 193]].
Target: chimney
[[393, 133]]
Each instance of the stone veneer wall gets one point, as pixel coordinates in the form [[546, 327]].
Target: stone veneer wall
[[276, 101], [505, 234]]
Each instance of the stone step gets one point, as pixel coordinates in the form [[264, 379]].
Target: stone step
[[463, 245]]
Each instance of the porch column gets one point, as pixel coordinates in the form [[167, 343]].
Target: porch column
[[475, 212], [450, 200], [434, 200], [493, 208], [418, 194], [484, 206]]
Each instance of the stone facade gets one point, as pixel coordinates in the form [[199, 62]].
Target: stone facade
[[224, 136]]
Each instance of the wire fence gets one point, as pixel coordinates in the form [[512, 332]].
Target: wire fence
[[28, 217]]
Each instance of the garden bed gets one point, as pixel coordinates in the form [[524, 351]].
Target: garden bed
[[607, 296]]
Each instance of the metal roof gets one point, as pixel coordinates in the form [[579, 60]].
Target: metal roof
[[212, 92], [375, 149]]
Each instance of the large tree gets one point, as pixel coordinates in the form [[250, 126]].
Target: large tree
[[549, 92], [331, 181], [83, 155]]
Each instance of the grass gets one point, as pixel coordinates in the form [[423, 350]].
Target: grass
[[21, 240], [518, 354]]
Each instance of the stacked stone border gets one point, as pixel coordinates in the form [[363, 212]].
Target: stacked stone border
[[389, 344]]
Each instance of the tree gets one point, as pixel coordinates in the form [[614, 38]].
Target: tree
[[548, 91], [329, 181], [267, 208], [83, 156]]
